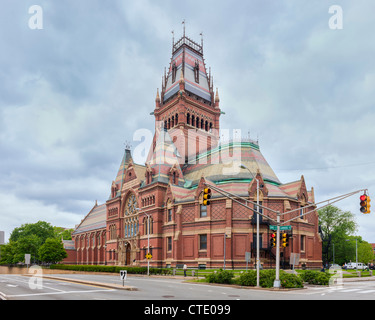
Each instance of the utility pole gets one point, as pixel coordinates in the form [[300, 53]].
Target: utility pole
[[314, 206], [242, 166]]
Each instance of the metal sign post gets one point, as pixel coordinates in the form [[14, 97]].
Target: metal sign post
[[276, 283], [123, 275], [27, 259]]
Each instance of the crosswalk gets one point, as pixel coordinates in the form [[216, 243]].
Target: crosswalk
[[341, 289]]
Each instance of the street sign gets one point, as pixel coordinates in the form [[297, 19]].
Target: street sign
[[27, 258], [148, 256], [294, 259], [248, 256], [282, 228], [123, 274]]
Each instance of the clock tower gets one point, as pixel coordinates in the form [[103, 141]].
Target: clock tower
[[187, 106]]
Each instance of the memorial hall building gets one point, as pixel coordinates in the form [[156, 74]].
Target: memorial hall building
[[159, 204]]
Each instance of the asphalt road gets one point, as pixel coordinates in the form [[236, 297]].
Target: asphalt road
[[17, 287]]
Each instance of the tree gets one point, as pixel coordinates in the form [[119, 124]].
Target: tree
[[29, 238], [336, 226], [43, 230], [7, 253], [365, 252], [52, 251], [65, 234]]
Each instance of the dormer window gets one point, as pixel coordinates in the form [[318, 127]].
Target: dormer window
[[196, 71], [174, 72]]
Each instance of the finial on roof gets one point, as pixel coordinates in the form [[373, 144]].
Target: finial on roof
[[127, 145], [217, 99], [183, 22], [157, 99]]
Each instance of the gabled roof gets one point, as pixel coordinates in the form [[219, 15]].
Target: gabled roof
[[121, 171], [95, 219]]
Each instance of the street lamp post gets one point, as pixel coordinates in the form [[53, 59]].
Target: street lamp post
[[242, 166], [148, 240], [148, 243]]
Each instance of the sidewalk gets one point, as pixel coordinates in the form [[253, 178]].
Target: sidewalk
[[353, 279]]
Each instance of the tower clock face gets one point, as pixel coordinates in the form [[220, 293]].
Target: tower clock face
[[131, 205]]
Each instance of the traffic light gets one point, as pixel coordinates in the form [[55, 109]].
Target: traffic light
[[365, 203], [284, 240], [206, 196], [273, 240]]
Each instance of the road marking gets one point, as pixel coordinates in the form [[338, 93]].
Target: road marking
[[349, 290], [53, 293], [367, 291]]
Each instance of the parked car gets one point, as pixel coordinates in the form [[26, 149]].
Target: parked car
[[357, 266]]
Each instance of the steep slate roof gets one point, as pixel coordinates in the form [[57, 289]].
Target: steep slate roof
[[121, 171], [186, 55], [94, 220]]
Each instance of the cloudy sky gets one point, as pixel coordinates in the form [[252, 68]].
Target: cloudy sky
[[73, 92]]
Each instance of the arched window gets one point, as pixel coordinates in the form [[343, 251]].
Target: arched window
[[188, 118], [148, 225]]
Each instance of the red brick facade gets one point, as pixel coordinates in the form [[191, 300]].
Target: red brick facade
[[161, 201]]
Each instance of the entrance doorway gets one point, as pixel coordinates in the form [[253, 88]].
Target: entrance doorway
[[127, 254]]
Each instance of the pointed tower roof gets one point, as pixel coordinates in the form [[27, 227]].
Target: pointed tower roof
[[164, 159], [187, 65]]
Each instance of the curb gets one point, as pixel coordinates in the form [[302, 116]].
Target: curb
[[93, 283]]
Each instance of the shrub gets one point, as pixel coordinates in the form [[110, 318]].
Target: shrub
[[222, 276], [315, 277], [267, 278], [248, 278], [112, 269], [289, 280]]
